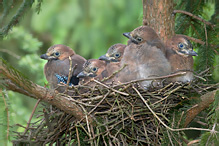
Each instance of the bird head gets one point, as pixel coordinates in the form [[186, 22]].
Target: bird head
[[114, 53], [92, 68], [182, 46], [57, 52], [142, 34]]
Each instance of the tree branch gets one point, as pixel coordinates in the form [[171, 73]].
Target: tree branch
[[206, 100], [194, 16], [13, 80]]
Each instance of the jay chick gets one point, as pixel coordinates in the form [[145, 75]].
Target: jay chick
[[179, 54], [114, 53], [145, 34], [98, 69], [56, 69], [145, 57]]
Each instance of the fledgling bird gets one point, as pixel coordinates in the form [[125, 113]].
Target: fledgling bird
[[144, 57], [98, 69], [114, 53], [56, 69], [145, 34], [179, 54]]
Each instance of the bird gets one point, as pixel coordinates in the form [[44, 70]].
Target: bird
[[145, 34], [145, 57], [97, 69], [114, 53], [179, 54], [57, 67]]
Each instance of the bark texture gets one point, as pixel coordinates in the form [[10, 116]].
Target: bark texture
[[158, 14]]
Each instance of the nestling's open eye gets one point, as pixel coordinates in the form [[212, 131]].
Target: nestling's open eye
[[94, 69], [117, 55], [139, 39], [181, 45], [56, 54]]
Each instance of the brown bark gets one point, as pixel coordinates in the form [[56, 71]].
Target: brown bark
[[206, 100], [158, 15], [12, 80]]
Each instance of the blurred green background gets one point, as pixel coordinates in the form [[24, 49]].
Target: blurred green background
[[89, 28]]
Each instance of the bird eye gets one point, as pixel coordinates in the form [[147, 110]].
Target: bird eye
[[117, 55], [57, 54], [181, 45], [139, 39], [94, 69]]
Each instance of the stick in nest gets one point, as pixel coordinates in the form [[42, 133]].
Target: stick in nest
[[171, 129], [123, 93], [71, 70], [152, 78]]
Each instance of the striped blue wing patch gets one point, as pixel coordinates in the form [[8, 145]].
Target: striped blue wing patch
[[63, 79]]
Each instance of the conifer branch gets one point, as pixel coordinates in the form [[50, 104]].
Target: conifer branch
[[16, 18], [6, 5], [13, 80], [194, 16]]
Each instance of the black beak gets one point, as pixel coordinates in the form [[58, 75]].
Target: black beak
[[81, 75], [192, 53], [44, 56], [127, 34], [104, 57]]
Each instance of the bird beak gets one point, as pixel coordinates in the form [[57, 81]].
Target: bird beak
[[104, 57], [192, 53], [127, 34], [44, 56], [82, 75]]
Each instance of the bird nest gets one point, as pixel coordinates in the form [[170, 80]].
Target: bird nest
[[116, 115]]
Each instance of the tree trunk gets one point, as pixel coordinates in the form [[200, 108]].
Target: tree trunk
[[158, 15]]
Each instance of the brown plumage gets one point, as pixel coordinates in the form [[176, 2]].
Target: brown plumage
[[98, 69], [145, 34], [179, 54], [114, 53], [56, 69], [144, 57]]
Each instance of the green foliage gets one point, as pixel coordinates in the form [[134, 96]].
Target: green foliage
[[216, 70], [213, 115], [209, 138], [25, 40], [23, 8], [3, 117], [38, 6], [30, 63]]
